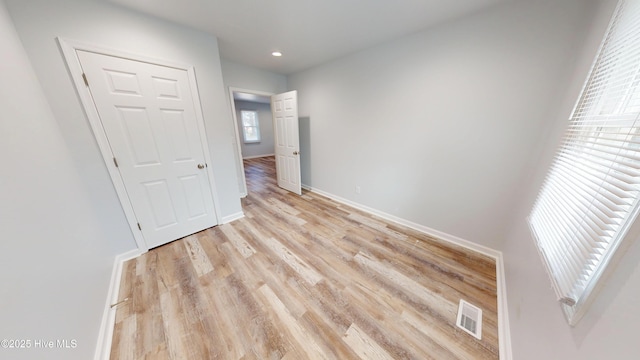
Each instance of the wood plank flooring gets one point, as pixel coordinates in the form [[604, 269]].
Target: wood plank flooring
[[303, 277]]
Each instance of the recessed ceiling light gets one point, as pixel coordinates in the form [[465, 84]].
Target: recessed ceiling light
[[276, 53]]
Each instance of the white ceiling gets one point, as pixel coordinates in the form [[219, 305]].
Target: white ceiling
[[308, 32]]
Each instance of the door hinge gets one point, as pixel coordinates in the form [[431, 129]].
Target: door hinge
[[139, 227], [84, 77], [115, 162]]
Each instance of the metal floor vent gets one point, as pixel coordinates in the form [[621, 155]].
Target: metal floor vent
[[470, 319]]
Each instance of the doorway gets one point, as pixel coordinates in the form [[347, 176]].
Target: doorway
[[258, 103], [282, 138]]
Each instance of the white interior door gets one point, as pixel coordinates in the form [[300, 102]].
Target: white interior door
[[148, 114], [285, 121]]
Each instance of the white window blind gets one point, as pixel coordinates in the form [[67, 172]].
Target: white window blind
[[250, 126], [590, 196]]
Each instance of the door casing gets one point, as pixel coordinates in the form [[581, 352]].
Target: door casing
[[69, 48]]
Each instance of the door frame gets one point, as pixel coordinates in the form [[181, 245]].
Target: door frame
[[243, 191], [69, 48]]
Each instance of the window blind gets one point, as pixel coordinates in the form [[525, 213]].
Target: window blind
[[250, 126], [589, 198]]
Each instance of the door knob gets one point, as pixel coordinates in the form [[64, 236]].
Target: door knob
[[296, 153], [200, 166]]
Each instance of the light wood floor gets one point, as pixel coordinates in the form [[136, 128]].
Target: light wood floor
[[303, 277]]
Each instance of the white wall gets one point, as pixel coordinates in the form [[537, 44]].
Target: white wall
[[39, 22], [250, 78], [266, 145], [56, 248], [439, 127], [454, 128], [538, 328], [61, 221]]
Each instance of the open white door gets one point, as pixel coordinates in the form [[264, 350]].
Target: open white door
[[285, 122], [148, 113]]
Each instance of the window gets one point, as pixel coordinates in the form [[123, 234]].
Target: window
[[589, 200], [250, 126]]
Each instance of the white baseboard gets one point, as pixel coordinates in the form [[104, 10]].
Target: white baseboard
[[105, 336], [232, 217], [503, 310], [504, 330], [256, 156], [423, 229]]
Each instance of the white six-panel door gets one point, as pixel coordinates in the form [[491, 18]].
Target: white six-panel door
[[148, 114], [285, 120]]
